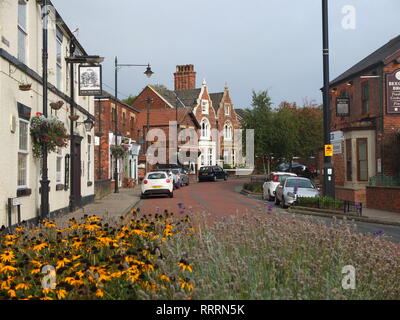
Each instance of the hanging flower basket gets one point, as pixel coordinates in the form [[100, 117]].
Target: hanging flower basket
[[118, 152], [57, 105], [49, 132], [74, 117], [25, 87]]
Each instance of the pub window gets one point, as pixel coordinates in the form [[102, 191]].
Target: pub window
[[349, 160], [365, 97], [210, 156], [362, 159], [59, 166], [23, 154], [22, 30], [132, 124], [89, 156], [59, 41]]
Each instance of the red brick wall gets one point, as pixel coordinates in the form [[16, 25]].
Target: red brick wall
[[351, 195], [383, 198], [104, 125], [141, 101]]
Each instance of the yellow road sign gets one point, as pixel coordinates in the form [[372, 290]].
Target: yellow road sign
[[328, 150]]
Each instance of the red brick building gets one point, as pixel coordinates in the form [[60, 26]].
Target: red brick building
[[214, 112], [165, 120], [105, 111], [365, 123]]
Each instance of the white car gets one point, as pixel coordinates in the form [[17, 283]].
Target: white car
[[157, 183], [293, 188], [175, 178], [273, 180]]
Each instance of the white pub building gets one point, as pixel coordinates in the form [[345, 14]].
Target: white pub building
[[70, 168]]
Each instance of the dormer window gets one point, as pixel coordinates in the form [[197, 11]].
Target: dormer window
[[227, 109], [204, 106]]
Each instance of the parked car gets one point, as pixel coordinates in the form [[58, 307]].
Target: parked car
[[299, 169], [212, 173], [173, 176], [157, 183], [182, 175], [272, 181], [292, 188]]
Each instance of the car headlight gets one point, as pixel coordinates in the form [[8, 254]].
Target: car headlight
[[291, 195]]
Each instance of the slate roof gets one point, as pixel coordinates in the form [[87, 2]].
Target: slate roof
[[216, 99], [188, 97], [373, 59], [240, 113]]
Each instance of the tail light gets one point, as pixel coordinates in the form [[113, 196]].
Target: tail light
[[145, 181], [276, 178], [168, 181]]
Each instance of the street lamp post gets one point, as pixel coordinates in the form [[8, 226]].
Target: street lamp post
[[329, 180], [148, 73], [44, 182]]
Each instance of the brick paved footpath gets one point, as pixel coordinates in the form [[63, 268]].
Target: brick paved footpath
[[111, 207]]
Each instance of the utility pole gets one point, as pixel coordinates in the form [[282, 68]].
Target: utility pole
[[329, 177], [44, 183]]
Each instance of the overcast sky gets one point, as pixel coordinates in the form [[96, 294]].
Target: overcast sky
[[251, 45]]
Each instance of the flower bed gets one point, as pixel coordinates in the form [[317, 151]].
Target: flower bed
[[92, 259]]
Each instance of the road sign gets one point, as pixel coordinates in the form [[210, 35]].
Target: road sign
[[329, 150]]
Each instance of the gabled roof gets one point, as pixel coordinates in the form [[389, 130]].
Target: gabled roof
[[162, 117], [373, 59], [188, 97], [216, 99]]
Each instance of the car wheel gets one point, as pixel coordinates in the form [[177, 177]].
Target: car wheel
[[270, 198], [171, 194], [277, 202], [283, 205], [225, 177]]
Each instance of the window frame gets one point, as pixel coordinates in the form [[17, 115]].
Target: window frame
[[358, 158], [24, 152], [59, 171], [349, 159], [205, 106], [59, 65], [22, 30], [227, 108], [365, 97]]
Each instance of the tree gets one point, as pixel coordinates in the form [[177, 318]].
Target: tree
[[260, 119], [130, 100]]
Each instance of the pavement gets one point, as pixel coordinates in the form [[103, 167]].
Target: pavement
[[111, 207]]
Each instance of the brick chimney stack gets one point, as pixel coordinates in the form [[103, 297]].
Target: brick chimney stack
[[185, 77]]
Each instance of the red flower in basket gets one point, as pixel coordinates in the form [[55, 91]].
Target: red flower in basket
[[39, 113]]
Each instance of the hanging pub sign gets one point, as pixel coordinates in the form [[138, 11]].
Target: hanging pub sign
[[90, 80], [342, 106], [393, 92]]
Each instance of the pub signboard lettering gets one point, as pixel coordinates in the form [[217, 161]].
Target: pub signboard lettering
[[342, 106], [393, 92]]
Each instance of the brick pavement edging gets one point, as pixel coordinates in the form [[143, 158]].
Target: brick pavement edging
[[342, 216]]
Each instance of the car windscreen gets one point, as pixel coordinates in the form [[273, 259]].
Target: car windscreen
[[155, 176], [283, 177], [206, 169], [300, 183], [176, 171]]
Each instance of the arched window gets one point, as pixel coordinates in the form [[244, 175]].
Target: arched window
[[205, 128], [228, 131]]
